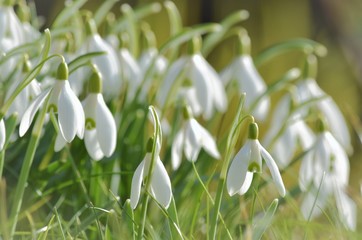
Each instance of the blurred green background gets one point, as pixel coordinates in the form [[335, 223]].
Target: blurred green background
[[335, 24]]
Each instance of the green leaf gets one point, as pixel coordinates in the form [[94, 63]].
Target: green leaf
[[213, 39], [82, 60], [103, 10], [132, 28], [187, 34], [67, 12], [174, 17], [261, 226], [305, 45], [139, 13], [25, 48]]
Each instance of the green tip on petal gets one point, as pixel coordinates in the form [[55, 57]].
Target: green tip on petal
[[95, 82], [23, 12], [195, 45], [63, 72], [186, 112], [253, 131], [254, 167], [150, 144], [321, 125]]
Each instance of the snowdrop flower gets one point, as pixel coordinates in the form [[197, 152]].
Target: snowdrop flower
[[249, 161], [190, 139], [327, 156], [195, 71], [108, 64], [160, 186], [243, 71], [289, 131], [325, 173], [308, 89], [63, 101], [100, 134], [23, 99], [2, 134]]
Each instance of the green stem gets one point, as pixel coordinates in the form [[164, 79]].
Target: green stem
[[141, 230], [219, 193], [29, 156]]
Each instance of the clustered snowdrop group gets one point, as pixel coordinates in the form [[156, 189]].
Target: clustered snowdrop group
[[115, 79]]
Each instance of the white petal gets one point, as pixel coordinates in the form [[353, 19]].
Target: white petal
[[30, 112], [306, 171], [347, 209], [208, 142], [107, 64], [314, 201], [106, 127], [247, 183], [238, 170], [252, 83], [171, 75], [274, 171], [59, 143], [136, 184], [130, 72], [198, 73], [176, 151], [161, 185], [2, 134], [192, 140], [67, 112], [92, 144]]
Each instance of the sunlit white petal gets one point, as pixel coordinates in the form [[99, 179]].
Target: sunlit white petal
[[161, 185], [136, 184]]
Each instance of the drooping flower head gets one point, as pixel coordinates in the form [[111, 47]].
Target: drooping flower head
[[308, 90], [248, 80], [158, 182], [63, 102], [190, 139], [195, 72], [247, 162], [324, 173], [100, 134]]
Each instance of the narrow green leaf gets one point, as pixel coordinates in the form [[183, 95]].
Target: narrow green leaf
[[261, 226], [213, 39], [82, 60], [67, 12], [300, 44], [132, 28], [174, 17], [103, 10], [45, 234], [139, 13], [25, 48], [187, 34]]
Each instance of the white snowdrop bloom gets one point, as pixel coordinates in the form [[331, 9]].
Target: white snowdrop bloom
[[243, 71], [2, 134], [62, 101], [108, 64], [327, 156], [289, 132], [190, 139], [195, 71], [249, 161], [23, 99], [325, 173], [308, 90], [100, 134]]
